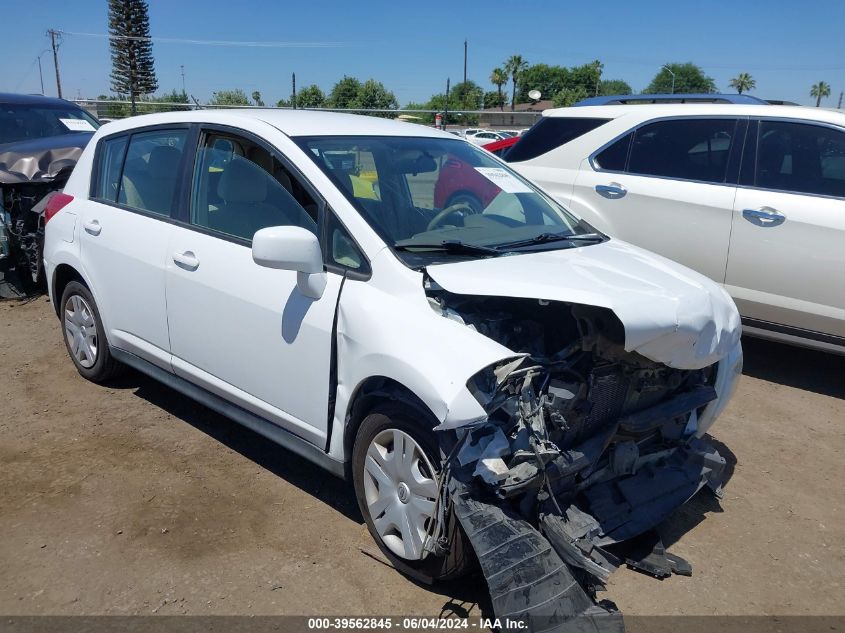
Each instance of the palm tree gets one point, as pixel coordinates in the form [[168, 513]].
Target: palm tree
[[743, 82], [819, 91], [514, 66], [499, 78]]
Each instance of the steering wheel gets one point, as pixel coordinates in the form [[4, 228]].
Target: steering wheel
[[452, 209]]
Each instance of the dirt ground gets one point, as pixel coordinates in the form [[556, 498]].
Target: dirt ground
[[130, 499]]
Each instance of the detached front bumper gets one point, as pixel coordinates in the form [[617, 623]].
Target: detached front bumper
[[552, 510]]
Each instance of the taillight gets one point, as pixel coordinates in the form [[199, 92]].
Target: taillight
[[56, 204]]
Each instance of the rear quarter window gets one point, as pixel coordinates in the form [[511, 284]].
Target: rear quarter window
[[549, 133]]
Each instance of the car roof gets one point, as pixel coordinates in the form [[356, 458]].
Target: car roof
[[643, 99], [650, 111], [290, 122], [19, 99]]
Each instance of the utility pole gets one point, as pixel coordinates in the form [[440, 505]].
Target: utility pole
[[446, 107], [669, 70], [40, 75], [465, 61], [839, 107], [56, 35], [184, 92], [293, 96]]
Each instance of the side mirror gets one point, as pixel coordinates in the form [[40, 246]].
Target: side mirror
[[292, 248]]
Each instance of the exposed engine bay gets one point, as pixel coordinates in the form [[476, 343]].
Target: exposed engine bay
[[30, 170], [585, 449], [22, 236]]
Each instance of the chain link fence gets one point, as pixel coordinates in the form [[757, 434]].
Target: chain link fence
[[112, 109]]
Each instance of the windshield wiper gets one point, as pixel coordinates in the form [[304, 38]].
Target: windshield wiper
[[450, 246], [553, 237]]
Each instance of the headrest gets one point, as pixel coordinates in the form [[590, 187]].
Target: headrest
[[164, 161], [243, 182]]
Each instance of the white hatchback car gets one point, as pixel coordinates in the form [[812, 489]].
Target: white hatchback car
[[289, 270], [753, 196]]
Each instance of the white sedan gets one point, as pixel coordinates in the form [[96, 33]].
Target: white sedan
[[484, 137]]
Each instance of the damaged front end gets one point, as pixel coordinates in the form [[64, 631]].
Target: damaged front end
[[586, 447], [30, 171]]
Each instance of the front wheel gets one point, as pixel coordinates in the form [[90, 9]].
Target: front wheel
[[395, 463]]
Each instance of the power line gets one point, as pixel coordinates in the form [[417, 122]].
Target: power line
[[181, 40]]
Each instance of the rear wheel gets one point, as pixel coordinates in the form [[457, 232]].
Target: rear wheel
[[85, 337], [395, 464]]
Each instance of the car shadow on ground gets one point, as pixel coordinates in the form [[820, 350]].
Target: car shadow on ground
[[292, 468], [463, 597], [791, 366]]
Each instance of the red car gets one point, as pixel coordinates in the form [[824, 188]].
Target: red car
[[460, 183]]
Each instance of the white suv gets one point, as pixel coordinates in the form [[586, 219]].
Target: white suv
[[753, 196], [289, 270]]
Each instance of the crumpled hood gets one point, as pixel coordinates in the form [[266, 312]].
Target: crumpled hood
[[40, 159], [671, 314]]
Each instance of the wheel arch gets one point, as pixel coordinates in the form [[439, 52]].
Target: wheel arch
[[368, 395], [62, 276]]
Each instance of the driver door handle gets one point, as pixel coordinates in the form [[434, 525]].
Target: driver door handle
[[93, 227], [613, 191], [764, 216], [186, 260]]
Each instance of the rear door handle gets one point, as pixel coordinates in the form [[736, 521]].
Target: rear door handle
[[93, 227], [764, 216], [613, 191], [186, 260]]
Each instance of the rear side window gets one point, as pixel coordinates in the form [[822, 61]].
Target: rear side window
[[109, 167], [549, 133], [801, 157], [689, 149], [151, 171], [614, 157]]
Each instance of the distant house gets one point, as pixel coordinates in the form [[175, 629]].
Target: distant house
[[524, 115]]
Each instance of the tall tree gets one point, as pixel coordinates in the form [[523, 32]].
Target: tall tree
[[743, 82], [344, 93], [614, 87], [499, 78], [310, 97], [688, 78], [549, 80], [820, 91], [372, 95], [515, 66], [133, 72], [234, 97], [468, 95], [256, 97]]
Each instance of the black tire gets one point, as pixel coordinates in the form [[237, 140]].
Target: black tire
[[105, 366], [460, 558]]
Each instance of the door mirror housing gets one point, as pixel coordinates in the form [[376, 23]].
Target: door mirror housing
[[292, 248]]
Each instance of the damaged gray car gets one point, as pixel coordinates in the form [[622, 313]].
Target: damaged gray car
[[501, 383], [41, 139]]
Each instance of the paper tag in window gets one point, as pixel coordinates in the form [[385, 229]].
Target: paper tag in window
[[77, 125], [503, 180]]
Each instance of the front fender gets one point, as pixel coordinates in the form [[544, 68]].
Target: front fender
[[403, 339]]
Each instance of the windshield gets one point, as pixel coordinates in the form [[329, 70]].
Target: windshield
[[441, 196], [21, 122]]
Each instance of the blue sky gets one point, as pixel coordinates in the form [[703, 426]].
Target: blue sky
[[413, 47]]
